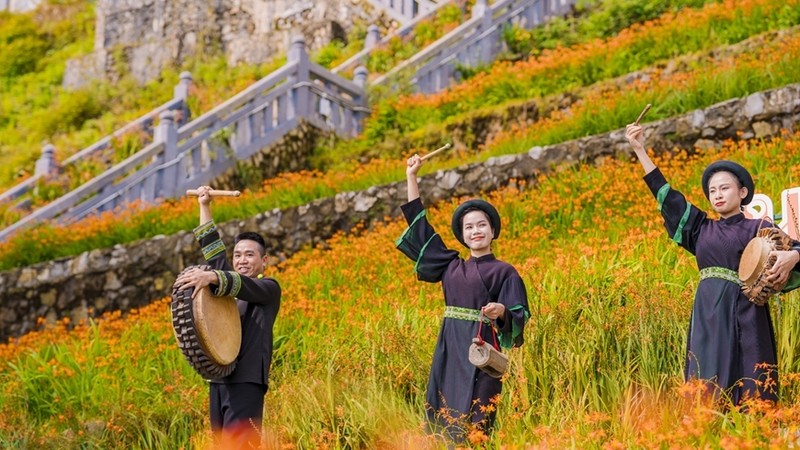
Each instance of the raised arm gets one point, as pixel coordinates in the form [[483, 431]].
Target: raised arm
[[413, 165], [635, 135], [204, 200], [211, 245]]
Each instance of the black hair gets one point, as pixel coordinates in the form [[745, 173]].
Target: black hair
[[471, 209], [739, 182], [252, 236]]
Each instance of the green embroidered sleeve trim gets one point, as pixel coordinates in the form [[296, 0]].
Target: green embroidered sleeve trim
[[793, 283], [204, 230], [678, 236], [422, 252], [413, 222], [237, 284], [507, 339], [222, 285], [662, 195], [213, 249]]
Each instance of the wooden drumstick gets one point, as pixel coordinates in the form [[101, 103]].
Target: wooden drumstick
[[215, 193], [437, 151], [644, 111]]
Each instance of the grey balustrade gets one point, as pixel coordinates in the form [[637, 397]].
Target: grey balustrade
[[185, 155], [374, 40], [474, 43], [197, 152], [46, 164]]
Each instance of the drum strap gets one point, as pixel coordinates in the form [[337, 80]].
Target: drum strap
[[457, 312], [720, 272]]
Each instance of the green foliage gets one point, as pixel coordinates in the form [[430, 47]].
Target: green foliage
[[69, 112], [587, 69], [330, 53], [336, 52], [22, 43], [596, 19], [398, 49]]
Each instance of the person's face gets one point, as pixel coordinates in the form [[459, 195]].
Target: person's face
[[247, 258], [477, 231], [725, 194]]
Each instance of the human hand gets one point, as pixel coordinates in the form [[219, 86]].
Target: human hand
[[203, 196], [413, 165], [493, 310], [634, 133], [196, 278], [782, 268]]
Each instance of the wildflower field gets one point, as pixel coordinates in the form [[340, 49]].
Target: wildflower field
[[601, 367], [610, 294], [605, 105]]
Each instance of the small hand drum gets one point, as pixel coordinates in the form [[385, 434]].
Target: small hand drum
[[755, 263], [208, 330], [487, 358]]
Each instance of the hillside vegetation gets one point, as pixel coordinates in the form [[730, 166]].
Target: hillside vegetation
[[606, 104], [610, 294], [610, 297]]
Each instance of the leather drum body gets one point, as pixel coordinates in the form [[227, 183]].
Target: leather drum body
[[755, 263], [208, 330]]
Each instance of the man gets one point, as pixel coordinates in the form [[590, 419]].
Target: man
[[237, 401]]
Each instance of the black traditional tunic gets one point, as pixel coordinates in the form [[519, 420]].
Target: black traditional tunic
[[730, 339], [258, 300], [457, 390]]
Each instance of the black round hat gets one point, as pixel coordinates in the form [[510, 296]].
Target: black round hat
[[737, 170], [458, 216]]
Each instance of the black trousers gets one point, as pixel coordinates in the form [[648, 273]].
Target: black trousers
[[237, 411]]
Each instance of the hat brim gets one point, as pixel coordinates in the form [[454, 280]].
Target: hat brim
[[482, 205], [737, 170]]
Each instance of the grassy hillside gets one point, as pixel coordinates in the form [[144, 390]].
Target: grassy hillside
[[610, 296], [699, 81], [35, 108]]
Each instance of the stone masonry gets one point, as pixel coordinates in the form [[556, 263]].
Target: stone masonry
[[130, 276], [145, 36]]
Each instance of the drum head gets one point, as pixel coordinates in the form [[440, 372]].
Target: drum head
[[208, 330], [754, 259], [218, 326]]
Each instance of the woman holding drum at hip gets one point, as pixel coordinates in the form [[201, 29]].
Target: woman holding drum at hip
[[731, 341]]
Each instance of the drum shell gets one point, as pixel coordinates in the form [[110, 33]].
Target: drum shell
[[207, 329], [489, 359], [756, 262]]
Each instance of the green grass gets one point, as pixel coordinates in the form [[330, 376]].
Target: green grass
[[610, 297]]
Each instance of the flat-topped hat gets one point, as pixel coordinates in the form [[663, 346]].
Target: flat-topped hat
[[482, 205], [737, 170]]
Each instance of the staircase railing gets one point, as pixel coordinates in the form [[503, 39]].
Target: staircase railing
[[475, 42], [186, 156], [374, 39], [199, 151], [46, 164]]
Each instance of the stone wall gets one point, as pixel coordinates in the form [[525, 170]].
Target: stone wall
[[144, 36], [129, 276]]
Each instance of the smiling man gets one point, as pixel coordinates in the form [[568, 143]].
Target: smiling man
[[237, 401]]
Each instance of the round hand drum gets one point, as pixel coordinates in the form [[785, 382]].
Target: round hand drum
[[755, 263], [208, 330]]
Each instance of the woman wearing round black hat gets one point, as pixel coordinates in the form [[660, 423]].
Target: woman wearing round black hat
[[460, 396], [731, 340]]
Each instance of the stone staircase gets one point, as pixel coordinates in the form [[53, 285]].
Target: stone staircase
[[186, 154]]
